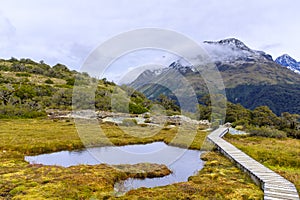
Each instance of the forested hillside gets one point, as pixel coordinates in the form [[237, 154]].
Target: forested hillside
[[28, 89], [251, 78]]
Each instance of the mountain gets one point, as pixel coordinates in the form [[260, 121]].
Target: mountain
[[232, 50], [251, 77], [289, 62]]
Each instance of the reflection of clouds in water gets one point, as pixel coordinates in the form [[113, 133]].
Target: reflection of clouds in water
[[187, 165], [184, 163], [157, 152]]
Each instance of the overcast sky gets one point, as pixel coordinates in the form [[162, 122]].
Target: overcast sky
[[67, 31]]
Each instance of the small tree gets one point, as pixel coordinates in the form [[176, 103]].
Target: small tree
[[263, 116], [6, 93], [168, 103], [289, 120]]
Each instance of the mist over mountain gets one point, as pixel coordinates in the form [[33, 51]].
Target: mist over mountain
[[232, 50], [251, 77]]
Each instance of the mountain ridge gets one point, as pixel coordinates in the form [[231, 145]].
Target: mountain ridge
[[247, 74], [287, 61]]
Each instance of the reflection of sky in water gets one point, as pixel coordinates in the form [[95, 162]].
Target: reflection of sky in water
[[187, 165], [236, 132], [182, 162]]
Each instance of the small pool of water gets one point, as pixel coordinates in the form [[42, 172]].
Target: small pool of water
[[233, 131], [183, 163]]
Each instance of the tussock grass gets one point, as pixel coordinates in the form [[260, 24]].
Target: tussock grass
[[219, 179], [19, 180], [38, 136], [280, 155], [33, 78]]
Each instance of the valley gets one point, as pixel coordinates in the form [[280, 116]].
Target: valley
[[39, 116]]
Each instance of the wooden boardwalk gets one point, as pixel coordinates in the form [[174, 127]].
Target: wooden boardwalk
[[275, 187]]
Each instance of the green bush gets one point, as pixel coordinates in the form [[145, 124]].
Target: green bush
[[10, 80], [23, 75], [4, 68], [11, 111], [171, 113], [293, 133], [241, 122], [49, 81], [266, 132], [137, 109], [70, 81]]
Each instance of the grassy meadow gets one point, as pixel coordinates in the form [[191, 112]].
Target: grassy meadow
[[219, 179], [280, 155]]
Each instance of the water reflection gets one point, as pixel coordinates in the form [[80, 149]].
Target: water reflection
[[182, 162]]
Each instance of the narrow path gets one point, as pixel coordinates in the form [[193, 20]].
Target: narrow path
[[275, 187]]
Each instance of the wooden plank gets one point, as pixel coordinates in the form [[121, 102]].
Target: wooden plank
[[281, 195], [275, 186], [284, 191]]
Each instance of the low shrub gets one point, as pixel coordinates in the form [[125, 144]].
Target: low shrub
[[241, 122], [172, 112], [266, 132], [293, 133], [49, 81], [10, 111], [23, 75], [136, 108]]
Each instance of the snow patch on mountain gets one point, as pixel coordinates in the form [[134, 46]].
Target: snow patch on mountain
[[231, 50], [289, 62]]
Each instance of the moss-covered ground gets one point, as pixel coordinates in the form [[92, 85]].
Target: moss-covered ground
[[219, 179], [280, 155]]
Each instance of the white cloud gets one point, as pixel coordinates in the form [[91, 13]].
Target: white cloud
[[130, 65], [7, 33], [67, 31]]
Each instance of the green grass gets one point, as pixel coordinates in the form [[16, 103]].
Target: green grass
[[38, 136], [219, 179], [33, 78], [280, 155]]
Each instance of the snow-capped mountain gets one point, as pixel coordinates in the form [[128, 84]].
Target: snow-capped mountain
[[289, 62], [252, 78], [182, 68], [179, 66], [147, 76], [231, 43], [232, 50]]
